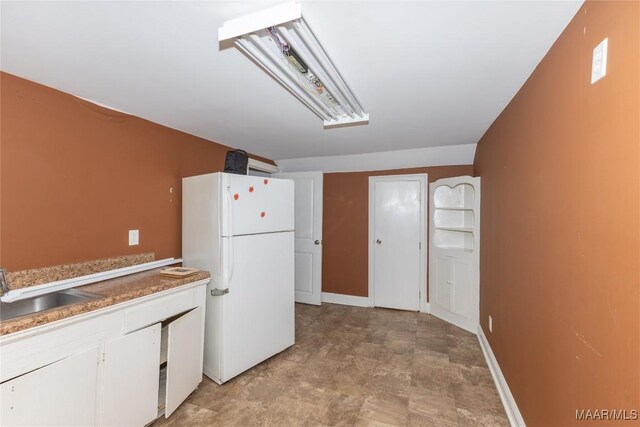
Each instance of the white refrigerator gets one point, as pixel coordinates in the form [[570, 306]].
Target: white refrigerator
[[241, 229]]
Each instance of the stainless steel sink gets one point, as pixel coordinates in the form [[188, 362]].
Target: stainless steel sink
[[10, 310]]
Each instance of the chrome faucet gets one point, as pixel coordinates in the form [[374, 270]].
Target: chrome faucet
[[3, 281]]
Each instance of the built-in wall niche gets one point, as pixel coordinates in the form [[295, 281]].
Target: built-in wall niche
[[454, 240], [454, 228], [453, 217], [459, 197]]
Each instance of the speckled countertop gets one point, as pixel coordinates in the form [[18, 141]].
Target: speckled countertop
[[112, 291]]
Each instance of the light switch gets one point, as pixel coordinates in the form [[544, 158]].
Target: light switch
[[134, 237], [599, 63]]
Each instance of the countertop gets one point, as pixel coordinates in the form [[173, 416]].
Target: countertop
[[112, 291]]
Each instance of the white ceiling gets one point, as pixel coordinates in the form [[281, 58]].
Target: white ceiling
[[429, 73]]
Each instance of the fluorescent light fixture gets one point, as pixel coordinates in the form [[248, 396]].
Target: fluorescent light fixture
[[280, 41]]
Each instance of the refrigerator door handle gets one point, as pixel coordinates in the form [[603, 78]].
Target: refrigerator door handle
[[230, 232], [219, 292]]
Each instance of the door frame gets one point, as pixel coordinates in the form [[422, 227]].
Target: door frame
[[423, 179]]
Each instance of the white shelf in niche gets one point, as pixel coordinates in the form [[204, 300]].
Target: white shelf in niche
[[460, 229], [454, 250], [454, 209]]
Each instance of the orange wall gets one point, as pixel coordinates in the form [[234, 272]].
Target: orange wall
[[345, 226], [75, 177], [560, 248]]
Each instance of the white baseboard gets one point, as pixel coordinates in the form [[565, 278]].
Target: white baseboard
[[426, 308], [345, 299], [509, 403]]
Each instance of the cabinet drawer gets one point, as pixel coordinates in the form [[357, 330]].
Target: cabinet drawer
[[159, 309]]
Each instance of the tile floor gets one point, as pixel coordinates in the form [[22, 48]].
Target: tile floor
[[357, 366]]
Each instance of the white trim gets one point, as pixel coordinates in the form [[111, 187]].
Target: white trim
[[398, 159], [423, 178], [60, 285], [345, 299], [427, 308], [509, 403], [261, 166]]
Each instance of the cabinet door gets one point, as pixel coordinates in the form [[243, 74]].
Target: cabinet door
[[184, 358], [60, 394], [463, 289], [130, 378], [443, 273]]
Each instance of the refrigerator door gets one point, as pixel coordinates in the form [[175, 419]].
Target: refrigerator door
[[252, 204], [258, 312]]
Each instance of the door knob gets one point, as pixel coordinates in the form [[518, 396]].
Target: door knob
[[317, 242], [378, 241]]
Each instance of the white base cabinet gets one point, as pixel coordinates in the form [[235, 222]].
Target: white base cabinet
[[104, 367], [61, 394]]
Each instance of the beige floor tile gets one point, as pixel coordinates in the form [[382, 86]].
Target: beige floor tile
[[469, 419], [420, 420], [478, 400], [385, 408], [399, 344], [434, 343], [342, 410], [471, 375], [432, 405], [390, 382], [364, 422], [467, 355], [393, 362], [367, 350]]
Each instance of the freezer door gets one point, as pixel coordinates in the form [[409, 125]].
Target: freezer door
[[253, 204], [258, 312]]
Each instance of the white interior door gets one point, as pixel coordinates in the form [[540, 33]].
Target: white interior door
[[185, 346], [308, 220], [130, 378], [396, 248]]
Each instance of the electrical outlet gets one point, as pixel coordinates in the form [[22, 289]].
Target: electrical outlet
[[599, 62], [134, 237], [490, 324]]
